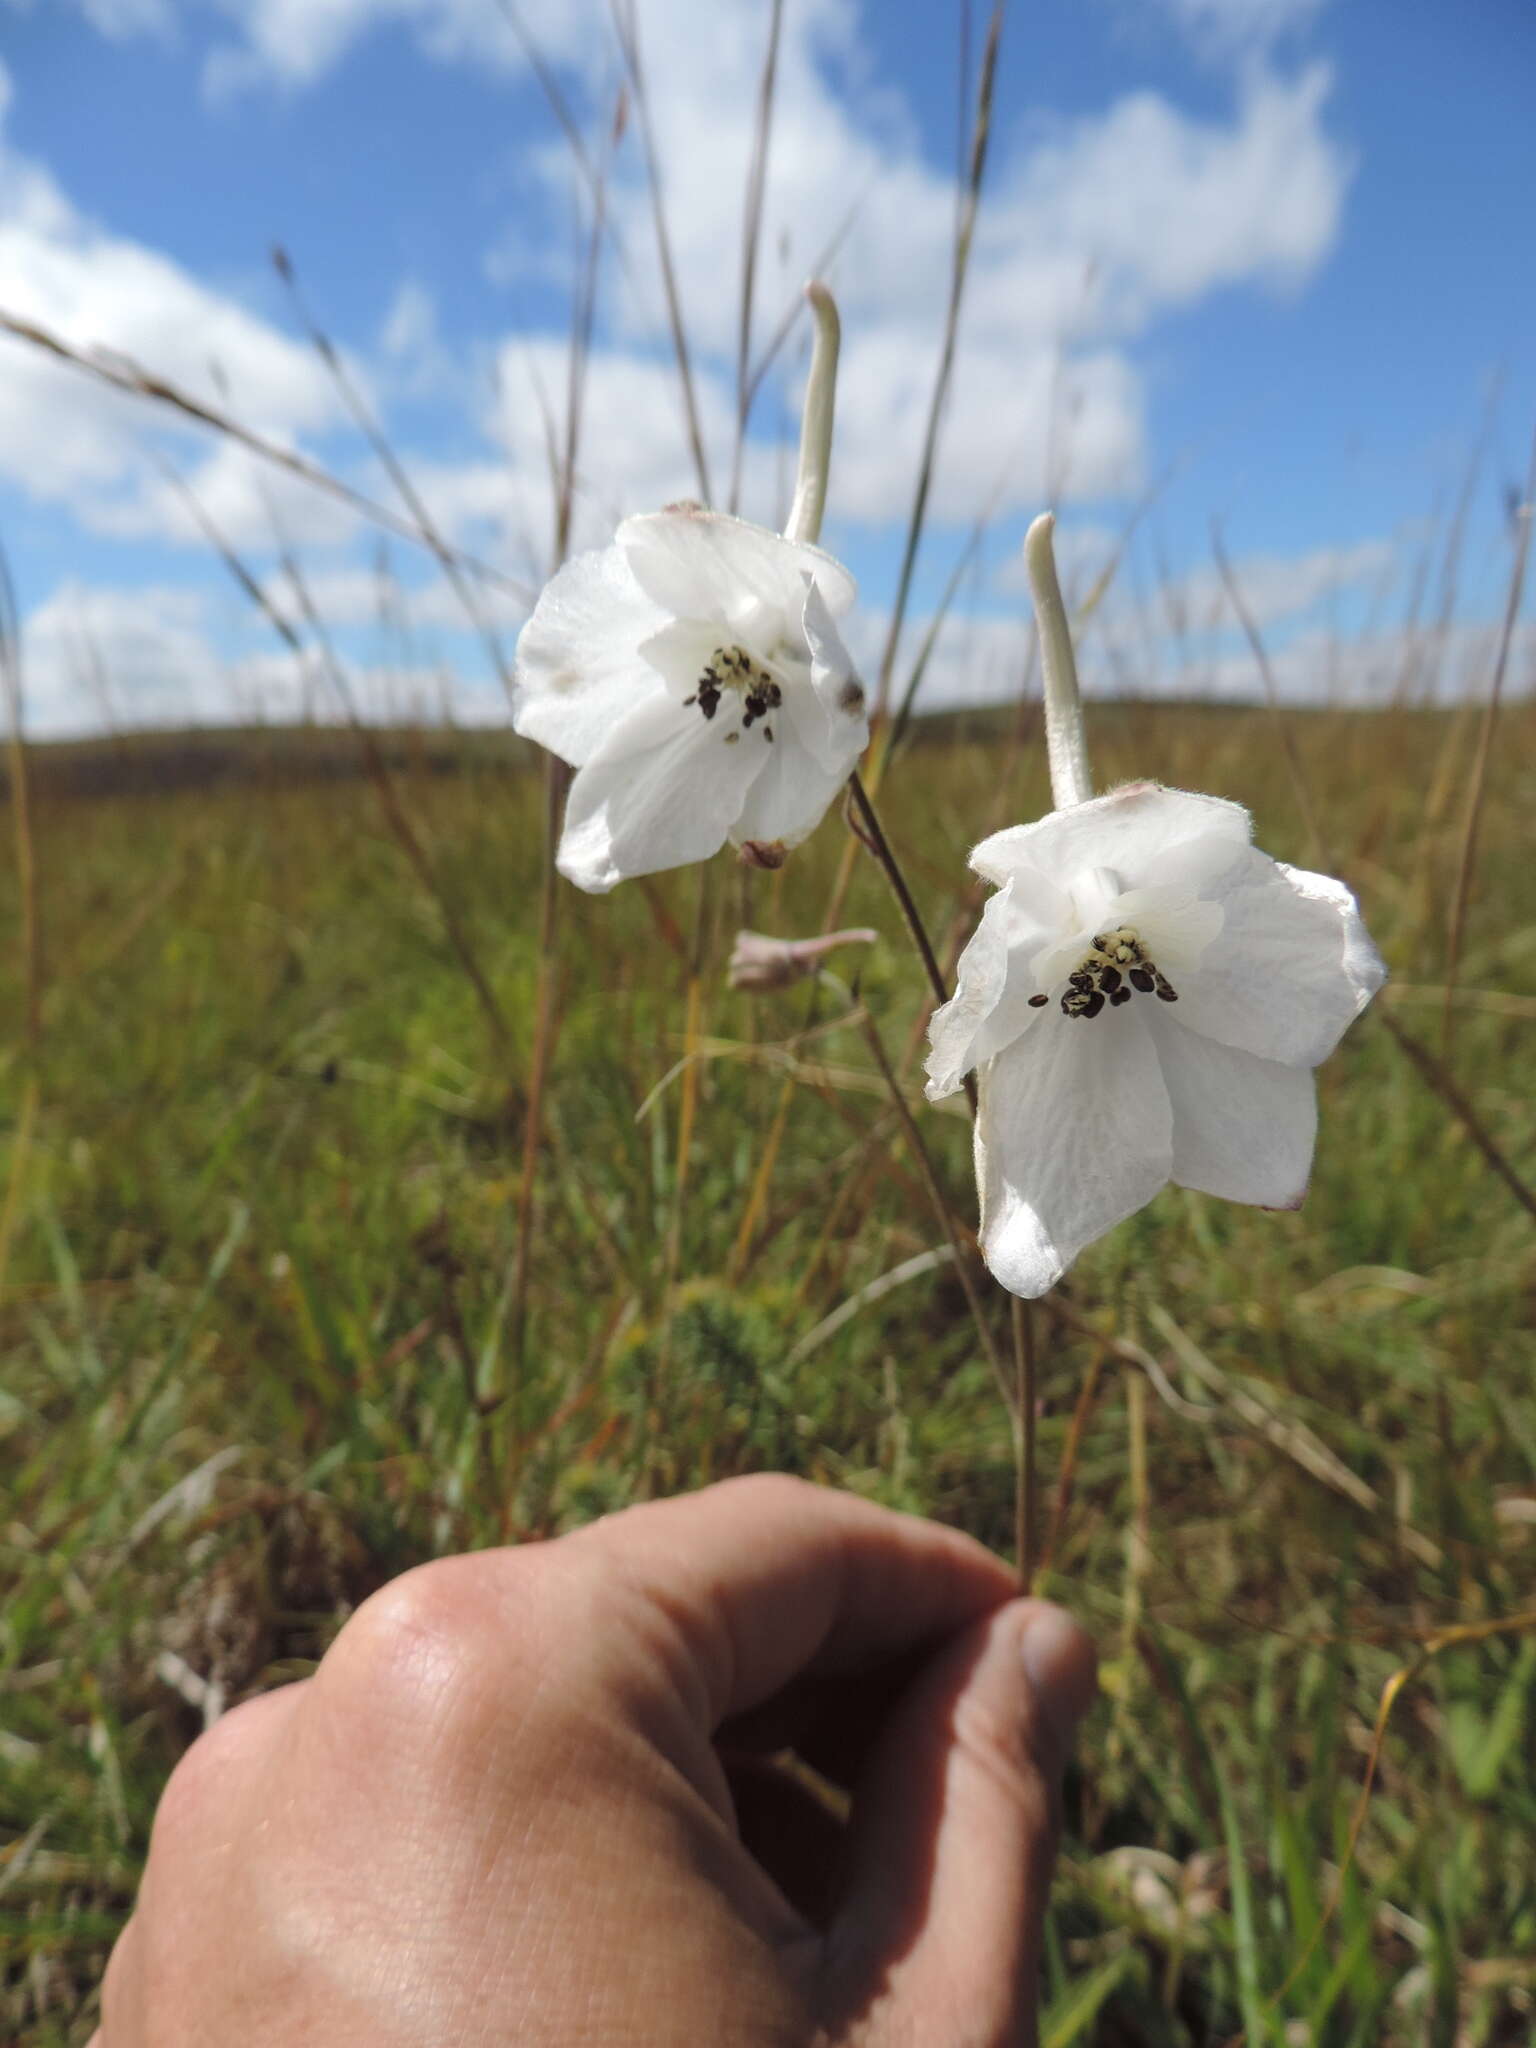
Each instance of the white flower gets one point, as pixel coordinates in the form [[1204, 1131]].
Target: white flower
[[693, 675], [1145, 998]]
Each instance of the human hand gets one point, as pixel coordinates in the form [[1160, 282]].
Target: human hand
[[502, 1809]]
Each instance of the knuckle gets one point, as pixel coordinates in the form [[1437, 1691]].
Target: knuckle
[[115, 1982], [445, 1647], [199, 1786], [409, 1642]]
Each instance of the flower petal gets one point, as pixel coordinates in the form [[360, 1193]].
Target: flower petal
[[579, 669], [994, 981], [979, 981], [831, 716], [1243, 1128], [665, 788], [1293, 965], [679, 652], [710, 565], [1074, 1135], [789, 796], [1122, 832]]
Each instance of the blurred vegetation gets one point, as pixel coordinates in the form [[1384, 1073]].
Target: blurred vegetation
[[259, 1340]]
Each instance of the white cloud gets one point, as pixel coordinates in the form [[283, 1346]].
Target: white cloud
[[97, 657], [93, 657], [1275, 588], [1224, 29], [67, 439]]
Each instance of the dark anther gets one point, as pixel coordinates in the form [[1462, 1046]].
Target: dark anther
[[1038, 1002], [1141, 977]]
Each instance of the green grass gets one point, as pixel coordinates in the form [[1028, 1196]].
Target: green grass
[[263, 1177]]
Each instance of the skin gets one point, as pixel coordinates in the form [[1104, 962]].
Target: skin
[[530, 1797]]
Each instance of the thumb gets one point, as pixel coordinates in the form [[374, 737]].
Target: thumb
[[953, 1839]]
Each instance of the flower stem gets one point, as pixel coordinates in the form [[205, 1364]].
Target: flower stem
[[810, 497], [872, 832], [1026, 1488], [935, 1193], [1065, 741]]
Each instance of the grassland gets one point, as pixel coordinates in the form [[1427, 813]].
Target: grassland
[[259, 1240]]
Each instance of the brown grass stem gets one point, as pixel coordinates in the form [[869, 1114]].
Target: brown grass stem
[[751, 237], [1025, 1477], [123, 374], [1087, 1397], [965, 231], [1444, 1085], [872, 834], [1466, 863], [368, 425], [546, 1017], [627, 29], [1283, 732]]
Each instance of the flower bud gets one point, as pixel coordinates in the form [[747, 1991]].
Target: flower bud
[[760, 962]]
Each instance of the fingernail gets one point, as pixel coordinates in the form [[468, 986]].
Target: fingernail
[[1063, 1668]]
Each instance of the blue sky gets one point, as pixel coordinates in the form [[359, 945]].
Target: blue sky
[[1271, 253]]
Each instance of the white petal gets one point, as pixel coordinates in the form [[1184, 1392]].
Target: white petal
[[1073, 1136], [579, 668], [1123, 832], [680, 651], [709, 565], [979, 981], [1292, 967], [1243, 1128], [791, 792], [994, 981], [1174, 927], [830, 716], [665, 788]]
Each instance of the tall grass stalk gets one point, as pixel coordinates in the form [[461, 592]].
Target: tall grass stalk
[[367, 424], [121, 373], [751, 237], [1477, 788], [626, 25]]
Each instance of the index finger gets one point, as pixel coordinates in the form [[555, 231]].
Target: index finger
[[766, 1579]]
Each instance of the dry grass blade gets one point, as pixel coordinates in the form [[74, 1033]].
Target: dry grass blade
[[123, 374], [963, 561], [373, 433], [1442, 1640], [627, 29], [1427, 654], [396, 814], [751, 236], [1291, 1437], [965, 229], [796, 304], [397, 817], [1477, 789], [1283, 731], [546, 1019], [1444, 1085], [549, 85], [871, 1292]]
